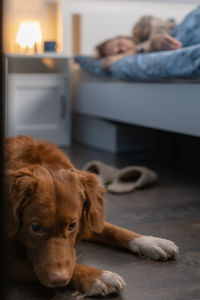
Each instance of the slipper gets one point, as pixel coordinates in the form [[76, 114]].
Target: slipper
[[105, 173], [130, 178]]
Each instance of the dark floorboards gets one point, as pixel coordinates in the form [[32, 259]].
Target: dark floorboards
[[171, 209]]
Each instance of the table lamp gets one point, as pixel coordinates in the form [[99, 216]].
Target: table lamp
[[29, 36]]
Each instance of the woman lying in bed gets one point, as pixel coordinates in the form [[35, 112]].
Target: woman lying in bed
[[151, 34]]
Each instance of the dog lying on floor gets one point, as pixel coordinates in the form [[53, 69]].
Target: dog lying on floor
[[51, 206]]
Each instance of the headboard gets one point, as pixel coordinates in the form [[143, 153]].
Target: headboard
[[82, 24]]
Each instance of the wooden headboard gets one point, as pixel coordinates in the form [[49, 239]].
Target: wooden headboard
[[82, 24]]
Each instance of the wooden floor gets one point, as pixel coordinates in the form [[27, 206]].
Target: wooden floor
[[171, 210]]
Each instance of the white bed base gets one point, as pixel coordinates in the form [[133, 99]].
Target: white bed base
[[170, 106]]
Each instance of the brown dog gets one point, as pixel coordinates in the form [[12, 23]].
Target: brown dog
[[52, 206]]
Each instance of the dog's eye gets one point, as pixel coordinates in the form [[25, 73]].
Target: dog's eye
[[36, 228], [71, 226]]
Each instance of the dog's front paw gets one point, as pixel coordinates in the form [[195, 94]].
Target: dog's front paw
[[107, 283], [154, 248]]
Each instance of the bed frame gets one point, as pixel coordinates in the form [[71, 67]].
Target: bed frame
[[172, 106]]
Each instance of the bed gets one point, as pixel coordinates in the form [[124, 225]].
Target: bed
[[171, 105]]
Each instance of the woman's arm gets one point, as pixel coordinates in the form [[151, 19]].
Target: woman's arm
[[162, 42]]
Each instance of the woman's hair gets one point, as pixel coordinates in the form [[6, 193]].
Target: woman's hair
[[100, 49]]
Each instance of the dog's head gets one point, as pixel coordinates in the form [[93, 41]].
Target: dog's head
[[49, 212]]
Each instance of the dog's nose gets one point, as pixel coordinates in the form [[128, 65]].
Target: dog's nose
[[59, 278]]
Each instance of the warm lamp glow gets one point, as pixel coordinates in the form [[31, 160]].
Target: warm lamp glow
[[29, 34]]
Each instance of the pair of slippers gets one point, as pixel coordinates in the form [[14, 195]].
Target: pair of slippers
[[122, 181]]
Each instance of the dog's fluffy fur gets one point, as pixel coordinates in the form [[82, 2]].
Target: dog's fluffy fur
[[51, 206]]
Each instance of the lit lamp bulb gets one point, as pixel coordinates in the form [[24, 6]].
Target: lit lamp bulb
[[29, 35]]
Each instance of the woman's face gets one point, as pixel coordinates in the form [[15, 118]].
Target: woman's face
[[119, 45]]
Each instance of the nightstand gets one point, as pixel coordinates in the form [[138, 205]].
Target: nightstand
[[38, 97]]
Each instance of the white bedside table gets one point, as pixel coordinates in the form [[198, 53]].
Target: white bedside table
[[38, 97]]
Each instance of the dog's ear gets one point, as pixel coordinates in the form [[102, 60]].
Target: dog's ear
[[94, 201], [20, 186]]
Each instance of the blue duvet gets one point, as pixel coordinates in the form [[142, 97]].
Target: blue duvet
[[184, 62]]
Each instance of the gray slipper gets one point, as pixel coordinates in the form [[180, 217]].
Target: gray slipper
[[130, 178], [105, 173]]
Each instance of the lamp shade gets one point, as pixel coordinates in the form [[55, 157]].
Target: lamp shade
[[29, 34]]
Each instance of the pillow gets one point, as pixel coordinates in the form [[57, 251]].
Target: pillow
[[92, 65], [184, 62]]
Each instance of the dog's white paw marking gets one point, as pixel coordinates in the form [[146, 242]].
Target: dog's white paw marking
[[154, 248], [107, 283], [78, 295]]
